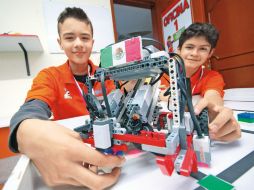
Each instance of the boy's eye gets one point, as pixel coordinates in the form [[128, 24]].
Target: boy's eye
[[69, 38], [204, 49], [85, 38]]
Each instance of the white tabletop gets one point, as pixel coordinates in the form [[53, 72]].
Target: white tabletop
[[140, 170]]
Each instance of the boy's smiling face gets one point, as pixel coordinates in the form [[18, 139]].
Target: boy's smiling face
[[76, 40], [195, 52]]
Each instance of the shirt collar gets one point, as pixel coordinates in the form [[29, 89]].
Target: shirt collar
[[195, 77], [67, 74]]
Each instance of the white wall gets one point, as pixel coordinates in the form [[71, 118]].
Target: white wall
[[26, 17]]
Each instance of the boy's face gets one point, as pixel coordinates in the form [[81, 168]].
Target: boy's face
[[76, 40], [195, 52]]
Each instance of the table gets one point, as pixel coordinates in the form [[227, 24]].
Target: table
[[140, 170]]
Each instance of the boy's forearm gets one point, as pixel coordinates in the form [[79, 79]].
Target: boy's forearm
[[213, 98], [32, 109], [28, 135]]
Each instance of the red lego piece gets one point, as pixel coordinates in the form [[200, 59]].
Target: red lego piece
[[189, 163], [122, 147], [89, 140], [189, 141], [145, 137], [166, 163], [163, 118]]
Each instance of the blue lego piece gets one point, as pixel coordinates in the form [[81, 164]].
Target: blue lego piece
[[246, 117], [119, 153], [108, 151]]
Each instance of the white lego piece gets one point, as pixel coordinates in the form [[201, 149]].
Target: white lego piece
[[102, 136]]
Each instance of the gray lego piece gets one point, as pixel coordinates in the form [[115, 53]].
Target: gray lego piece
[[155, 96], [135, 70], [182, 137], [143, 100], [203, 157], [179, 160], [158, 150], [188, 123], [114, 99], [202, 148], [120, 131], [172, 141]]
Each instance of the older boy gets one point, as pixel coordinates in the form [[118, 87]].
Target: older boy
[[59, 153], [196, 45]]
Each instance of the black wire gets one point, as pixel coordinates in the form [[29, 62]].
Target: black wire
[[153, 40], [156, 80], [123, 84], [191, 110], [104, 92], [149, 51]]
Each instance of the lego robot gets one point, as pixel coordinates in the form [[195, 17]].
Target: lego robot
[[179, 139]]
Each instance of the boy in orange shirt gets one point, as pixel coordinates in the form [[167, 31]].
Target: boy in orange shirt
[[196, 45], [57, 152]]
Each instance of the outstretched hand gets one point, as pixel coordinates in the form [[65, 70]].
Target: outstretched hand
[[223, 126], [62, 158]]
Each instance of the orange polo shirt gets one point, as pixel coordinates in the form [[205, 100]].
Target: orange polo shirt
[[57, 87], [202, 80]]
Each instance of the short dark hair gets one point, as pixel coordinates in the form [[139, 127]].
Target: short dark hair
[[197, 29], [73, 12]]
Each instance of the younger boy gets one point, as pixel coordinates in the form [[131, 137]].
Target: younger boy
[[57, 152], [196, 45]]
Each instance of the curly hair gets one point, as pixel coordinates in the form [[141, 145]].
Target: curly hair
[[197, 29]]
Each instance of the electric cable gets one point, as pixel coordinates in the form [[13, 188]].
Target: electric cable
[[104, 93], [156, 80], [123, 84], [153, 40]]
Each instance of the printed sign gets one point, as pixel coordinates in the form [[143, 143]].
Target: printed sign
[[175, 19]]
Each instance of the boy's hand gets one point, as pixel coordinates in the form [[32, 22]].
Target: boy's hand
[[223, 125], [62, 158]]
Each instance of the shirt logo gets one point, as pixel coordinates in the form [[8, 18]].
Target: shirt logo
[[67, 94]]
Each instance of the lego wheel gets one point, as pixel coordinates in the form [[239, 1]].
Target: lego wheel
[[204, 121]]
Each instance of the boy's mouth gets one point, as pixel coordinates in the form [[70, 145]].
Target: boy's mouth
[[79, 53]]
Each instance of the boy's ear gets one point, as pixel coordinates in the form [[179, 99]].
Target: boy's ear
[[59, 43], [211, 53], [178, 50]]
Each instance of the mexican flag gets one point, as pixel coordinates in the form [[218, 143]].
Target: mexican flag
[[123, 52]]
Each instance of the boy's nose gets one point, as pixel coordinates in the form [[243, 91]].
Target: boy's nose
[[78, 42], [194, 51]]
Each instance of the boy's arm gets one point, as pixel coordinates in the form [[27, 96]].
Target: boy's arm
[[35, 109], [213, 97], [59, 153], [223, 126]]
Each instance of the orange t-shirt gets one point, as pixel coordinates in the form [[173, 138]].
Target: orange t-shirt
[[201, 81], [57, 87]]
